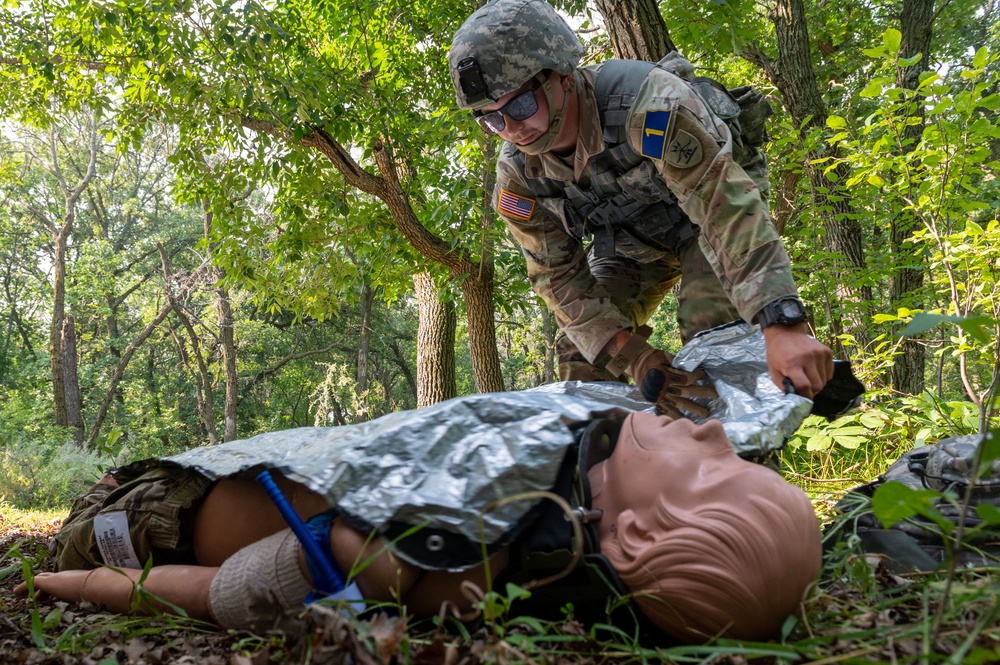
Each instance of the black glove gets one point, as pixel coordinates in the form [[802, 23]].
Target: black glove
[[669, 388]]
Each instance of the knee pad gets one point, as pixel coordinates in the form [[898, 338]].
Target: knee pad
[[260, 586]]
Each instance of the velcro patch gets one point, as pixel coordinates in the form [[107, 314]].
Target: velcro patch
[[511, 204], [656, 129], [684, 150]]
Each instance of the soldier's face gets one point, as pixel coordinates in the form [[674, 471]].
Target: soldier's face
[[522, 131]]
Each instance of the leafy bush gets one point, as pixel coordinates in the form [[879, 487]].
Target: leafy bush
[[46, 476]]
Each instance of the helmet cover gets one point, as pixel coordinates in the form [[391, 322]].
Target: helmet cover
[[505, 43]]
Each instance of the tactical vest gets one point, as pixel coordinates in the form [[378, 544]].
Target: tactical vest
[[622, 201]]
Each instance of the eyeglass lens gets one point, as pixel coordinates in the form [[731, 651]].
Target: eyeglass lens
[[520, 108]]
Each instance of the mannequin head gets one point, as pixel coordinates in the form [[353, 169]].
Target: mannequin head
[[708, 543]]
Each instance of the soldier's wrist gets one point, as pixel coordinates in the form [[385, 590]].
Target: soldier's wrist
[[625, 354]]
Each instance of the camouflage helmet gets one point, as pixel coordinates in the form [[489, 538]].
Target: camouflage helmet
[[505, 43]]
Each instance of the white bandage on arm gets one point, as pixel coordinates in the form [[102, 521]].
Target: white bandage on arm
[[258, 586]]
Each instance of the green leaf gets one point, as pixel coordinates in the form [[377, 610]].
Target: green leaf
[[976, 326], [835, 122], [871, 421], [979, 60], [991, 102], [818, 442], [909, 62], [52, 619], [849, 442], [894, 502], [990, 449], [873, 89], [515, 592], [989, 514], [892, 38]]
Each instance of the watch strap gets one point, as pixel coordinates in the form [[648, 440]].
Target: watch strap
[[773, 313]]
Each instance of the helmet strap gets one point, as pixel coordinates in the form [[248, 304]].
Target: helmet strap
[[544, 142]]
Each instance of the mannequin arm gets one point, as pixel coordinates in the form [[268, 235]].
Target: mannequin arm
[[183, 586]]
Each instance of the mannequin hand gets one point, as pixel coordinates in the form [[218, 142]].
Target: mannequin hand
[[166, 588], [793, 353], [669, 388], [107, 587]]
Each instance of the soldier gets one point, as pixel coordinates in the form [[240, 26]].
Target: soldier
[[628, 152]]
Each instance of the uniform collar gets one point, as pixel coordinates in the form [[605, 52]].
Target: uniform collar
[[590, 138]]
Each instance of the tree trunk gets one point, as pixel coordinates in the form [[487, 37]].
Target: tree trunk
[[227, 333], [486, 365], [71, 380], [227, 343], [404, 366], [435, 343], [364, 347], [56, 352], [114, 336], [784, 207], [58, 357], [636, 29], [795, 79], [201, 377], [549, 331], [916, 24], [119, 372]]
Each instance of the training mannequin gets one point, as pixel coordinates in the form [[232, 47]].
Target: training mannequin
[[707, 543]]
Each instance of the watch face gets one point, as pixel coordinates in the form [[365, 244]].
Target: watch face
[[791, 309]]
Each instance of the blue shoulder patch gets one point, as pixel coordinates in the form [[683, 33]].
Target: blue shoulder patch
[[655, 131]]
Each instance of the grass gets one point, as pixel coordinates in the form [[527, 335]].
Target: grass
[[17, 520]]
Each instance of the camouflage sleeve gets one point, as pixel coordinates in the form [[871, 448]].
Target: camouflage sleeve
[[557, 263], [693, 151]]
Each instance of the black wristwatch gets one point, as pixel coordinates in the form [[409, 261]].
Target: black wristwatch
[[787, 311]]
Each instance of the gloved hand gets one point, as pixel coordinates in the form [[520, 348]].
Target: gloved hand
[[669, 388]]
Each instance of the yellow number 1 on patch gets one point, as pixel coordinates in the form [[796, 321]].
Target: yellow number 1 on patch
[[655, 128]]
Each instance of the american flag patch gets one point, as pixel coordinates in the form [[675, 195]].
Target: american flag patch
[[515, 206]]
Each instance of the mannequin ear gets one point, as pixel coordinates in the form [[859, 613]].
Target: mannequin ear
[[633, 531]]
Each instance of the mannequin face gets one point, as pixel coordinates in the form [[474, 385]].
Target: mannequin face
[[683, 467], [708, 543]]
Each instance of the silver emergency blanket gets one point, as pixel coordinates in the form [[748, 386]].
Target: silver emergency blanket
[[446, 464], [757, 416]]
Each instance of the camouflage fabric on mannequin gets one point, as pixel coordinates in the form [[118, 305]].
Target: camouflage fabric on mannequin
[[150, 502]]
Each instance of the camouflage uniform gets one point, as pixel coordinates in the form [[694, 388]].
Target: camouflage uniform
[[672, 164], [153, 500]]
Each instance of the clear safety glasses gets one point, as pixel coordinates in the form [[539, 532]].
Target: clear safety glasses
[[520, 108]]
